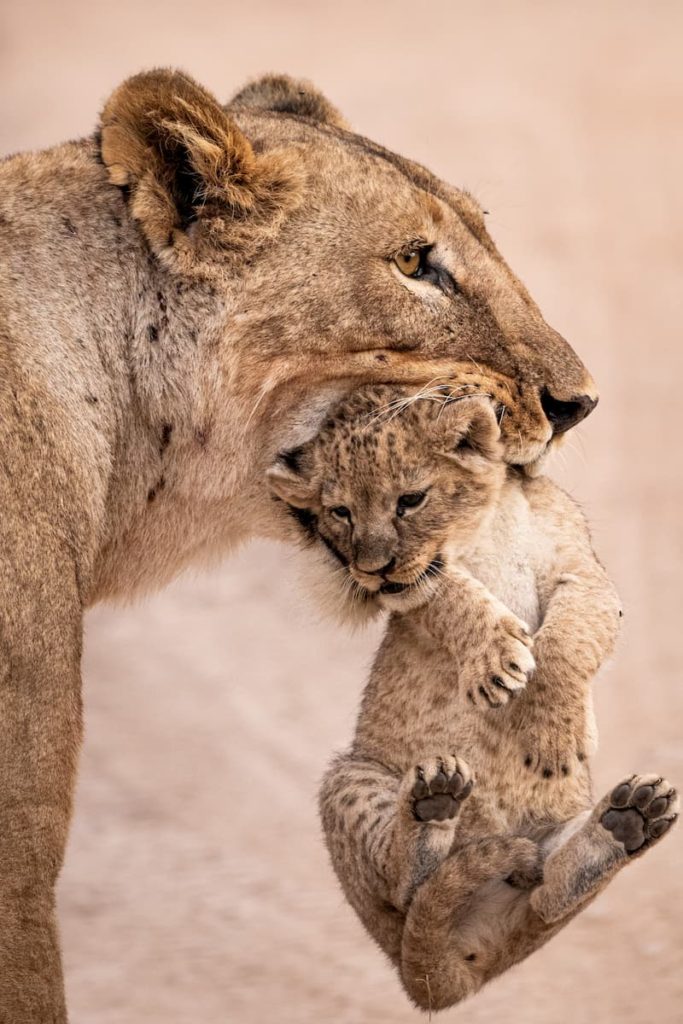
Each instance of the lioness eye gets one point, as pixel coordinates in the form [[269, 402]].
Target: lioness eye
[[341, 512], [410, 263], [409, 501]]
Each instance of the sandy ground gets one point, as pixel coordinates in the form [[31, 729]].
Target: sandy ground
[[186, 897]]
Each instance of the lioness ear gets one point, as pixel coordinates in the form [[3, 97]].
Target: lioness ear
[[469, 433], [286, 95], [184, 161], [288, 479]]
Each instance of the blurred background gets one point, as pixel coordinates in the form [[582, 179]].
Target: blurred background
[[180, 903]]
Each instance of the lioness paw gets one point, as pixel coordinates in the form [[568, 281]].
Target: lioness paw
[[639, 811], [439, 787], [502, 668]]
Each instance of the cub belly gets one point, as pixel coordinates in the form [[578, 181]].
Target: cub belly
[[508, 797]]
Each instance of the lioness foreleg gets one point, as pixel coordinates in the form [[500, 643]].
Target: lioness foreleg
[[40, 729]]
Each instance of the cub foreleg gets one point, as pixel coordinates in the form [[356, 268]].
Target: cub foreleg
[[489, 649], [581, 616]]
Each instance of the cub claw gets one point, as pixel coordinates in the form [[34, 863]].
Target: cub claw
[[500, 671]]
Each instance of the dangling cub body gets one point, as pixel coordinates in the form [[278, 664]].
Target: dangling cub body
[[460, 823]]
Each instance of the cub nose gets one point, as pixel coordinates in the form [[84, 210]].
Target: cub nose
[[563, 415], [369, 566]]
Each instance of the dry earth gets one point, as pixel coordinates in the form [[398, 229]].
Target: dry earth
[[197, 888]]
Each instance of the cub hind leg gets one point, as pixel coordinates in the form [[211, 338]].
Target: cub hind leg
[[468, 922], [634, 816], [429, 801], [385, 834]]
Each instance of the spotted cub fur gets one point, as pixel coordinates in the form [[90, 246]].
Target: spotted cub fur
[[460, 822]]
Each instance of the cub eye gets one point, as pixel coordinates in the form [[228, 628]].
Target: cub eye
[[411, 263], [409, 501], [341, 512]]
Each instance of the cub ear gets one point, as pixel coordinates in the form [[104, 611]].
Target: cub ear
[[469, 433], [184, 161], [286, 95], [289, 480]]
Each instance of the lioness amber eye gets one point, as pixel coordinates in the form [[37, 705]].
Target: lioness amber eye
[[341, 512], [409, 501], [409, 263]]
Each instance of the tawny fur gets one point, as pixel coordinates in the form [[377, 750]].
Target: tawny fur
[[460, 822], [182, 295]]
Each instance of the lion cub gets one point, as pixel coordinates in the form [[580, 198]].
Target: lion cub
[[460, 822]]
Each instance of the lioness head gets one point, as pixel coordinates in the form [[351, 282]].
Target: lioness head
[[335, 262], [390, 479]]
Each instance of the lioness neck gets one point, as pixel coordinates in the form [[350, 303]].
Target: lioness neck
[[130, 372]]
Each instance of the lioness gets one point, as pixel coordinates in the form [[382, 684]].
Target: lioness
[[181, 296], [460, 823]]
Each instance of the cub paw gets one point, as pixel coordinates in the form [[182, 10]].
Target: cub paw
[[503, 667], [640, 811], [440, 786]]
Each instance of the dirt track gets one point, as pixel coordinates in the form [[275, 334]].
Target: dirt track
[[196, 889]]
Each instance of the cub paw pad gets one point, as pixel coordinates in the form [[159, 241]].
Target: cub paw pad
[[642, 809], [440, 788]]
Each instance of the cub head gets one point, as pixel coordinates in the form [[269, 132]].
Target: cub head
[[389, 480]]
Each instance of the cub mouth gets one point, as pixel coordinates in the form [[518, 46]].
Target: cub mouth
[[434, 567]]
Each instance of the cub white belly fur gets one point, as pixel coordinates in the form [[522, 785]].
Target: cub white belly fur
[[505, 552]]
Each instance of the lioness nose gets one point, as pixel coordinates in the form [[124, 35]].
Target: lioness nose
[[563, 415], [369, 565]]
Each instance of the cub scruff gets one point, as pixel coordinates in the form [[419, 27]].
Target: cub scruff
[[182, 295], [460, 823]]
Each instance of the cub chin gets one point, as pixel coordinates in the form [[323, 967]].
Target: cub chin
[[389, 483]]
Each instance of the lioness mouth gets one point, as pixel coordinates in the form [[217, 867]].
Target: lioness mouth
[[397, 588]]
